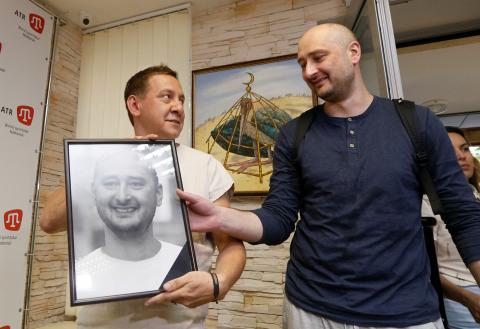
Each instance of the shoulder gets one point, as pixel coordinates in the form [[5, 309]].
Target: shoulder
[[186, 152], [289, 130], [423, 114], [197, 158], [213, 182]]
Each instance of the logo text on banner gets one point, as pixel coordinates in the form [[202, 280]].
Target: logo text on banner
[[12, 220], [37, 22], [25, 114]]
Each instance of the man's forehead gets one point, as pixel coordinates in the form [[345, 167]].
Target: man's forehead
[[318, 39], [120, 161], [165, 81]]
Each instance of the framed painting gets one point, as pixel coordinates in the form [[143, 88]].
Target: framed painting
[[238, 110], [128, 232]]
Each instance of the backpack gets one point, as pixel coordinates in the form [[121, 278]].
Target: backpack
[[406, 111]]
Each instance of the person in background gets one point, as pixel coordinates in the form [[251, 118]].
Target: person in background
[[461, 291], [154, 101]]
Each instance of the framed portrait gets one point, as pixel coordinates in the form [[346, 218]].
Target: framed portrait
[[238, 111], [128, 232]]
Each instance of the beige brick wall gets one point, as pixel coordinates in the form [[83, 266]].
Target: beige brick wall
[[245, 30], [50, 265], [249, 30]]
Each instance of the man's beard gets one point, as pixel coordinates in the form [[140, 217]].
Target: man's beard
[[339, 91]]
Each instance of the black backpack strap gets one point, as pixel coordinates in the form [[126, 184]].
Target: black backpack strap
[[304, 122], [428, 223], [406, 111]]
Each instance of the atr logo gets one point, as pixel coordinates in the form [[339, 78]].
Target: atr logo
[[5, 327], [12, 220], [25, 114], [37, 22]]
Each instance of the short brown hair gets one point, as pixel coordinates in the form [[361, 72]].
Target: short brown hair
[[137, 85]]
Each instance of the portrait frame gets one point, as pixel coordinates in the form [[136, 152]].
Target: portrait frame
[[128, 232], [233, 118]]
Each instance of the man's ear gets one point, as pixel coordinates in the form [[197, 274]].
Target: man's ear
[[355, 52], [159, 195], [134, 105]]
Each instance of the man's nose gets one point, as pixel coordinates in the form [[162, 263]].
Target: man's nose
[[310, 69], [123, 193], [177, 105]]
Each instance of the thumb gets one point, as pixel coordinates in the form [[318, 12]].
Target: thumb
[[174, 284], [189, 197]]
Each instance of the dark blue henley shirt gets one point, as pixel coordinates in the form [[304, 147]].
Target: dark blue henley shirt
[[358, 253]]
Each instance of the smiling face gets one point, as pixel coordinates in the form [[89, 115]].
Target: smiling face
[[160, 109], [464, 156], [126, 193], [327, 55]]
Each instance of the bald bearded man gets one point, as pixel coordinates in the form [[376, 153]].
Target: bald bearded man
[[357, 257]]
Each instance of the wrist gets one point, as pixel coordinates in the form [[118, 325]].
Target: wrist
[[220, 215], [467, 297], [215, 286]]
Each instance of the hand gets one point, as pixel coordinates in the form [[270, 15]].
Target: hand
[[202, 213], [151, 137], [192, 289], [473, 305]]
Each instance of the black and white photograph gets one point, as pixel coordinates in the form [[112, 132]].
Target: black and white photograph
[[128, 231]]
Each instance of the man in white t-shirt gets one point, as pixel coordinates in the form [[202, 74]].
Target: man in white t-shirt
[[154, 101], [127, 192]]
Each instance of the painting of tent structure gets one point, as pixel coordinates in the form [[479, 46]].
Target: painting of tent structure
[[238, 111]]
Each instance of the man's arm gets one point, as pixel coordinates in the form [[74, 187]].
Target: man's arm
[[231, 256], [53, 218], [196, 288], [206, 216], [462, 296], [474, 268]]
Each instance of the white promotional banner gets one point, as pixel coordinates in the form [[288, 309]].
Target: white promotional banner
[[26, 33]]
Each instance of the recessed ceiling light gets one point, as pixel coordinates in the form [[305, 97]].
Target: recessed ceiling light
[[438, 106]]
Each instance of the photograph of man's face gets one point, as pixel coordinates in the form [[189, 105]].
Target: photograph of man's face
[[125, 219], [126, 192]]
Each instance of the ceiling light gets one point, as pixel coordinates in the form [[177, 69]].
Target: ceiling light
[[438, 106]]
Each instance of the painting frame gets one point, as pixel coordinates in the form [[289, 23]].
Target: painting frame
[[137, 237], [238, 126]]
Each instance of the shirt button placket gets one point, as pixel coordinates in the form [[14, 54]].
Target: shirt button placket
[[351, 136]]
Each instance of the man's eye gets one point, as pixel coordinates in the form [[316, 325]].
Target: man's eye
[[137, 185], [110, 184]]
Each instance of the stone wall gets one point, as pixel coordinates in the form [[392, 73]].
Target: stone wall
[[50, 264], [249, 30]]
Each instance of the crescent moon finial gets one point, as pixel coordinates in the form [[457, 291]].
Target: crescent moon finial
[[252, 78]]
